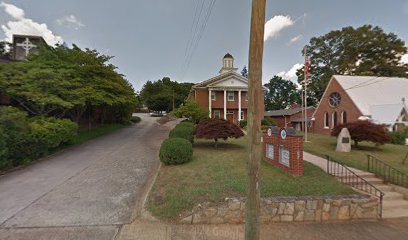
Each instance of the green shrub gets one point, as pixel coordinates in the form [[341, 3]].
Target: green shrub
[[135, 119], [268, 121], [52, 132], [243, 123], [399, 137], [176, 151], [14, 128], [186, 124], [182, 132]]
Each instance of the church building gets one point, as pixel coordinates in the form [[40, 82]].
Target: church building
[[225, 95], [381, 100]]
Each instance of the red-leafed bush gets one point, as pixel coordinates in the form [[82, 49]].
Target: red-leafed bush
[[216, 129], [364, 131]]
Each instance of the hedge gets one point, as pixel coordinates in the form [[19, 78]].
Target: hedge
[[176, 151], [182, 132], [24, 139], [399, 137], [135, 119]]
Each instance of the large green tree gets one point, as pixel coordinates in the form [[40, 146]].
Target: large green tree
[[365, 50], [282, 93], [158, 95], [66, 81]]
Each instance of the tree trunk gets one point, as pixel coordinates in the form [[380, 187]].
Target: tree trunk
[[216, 142], [252, 217]]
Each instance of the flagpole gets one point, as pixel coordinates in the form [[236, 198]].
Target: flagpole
[[305, 101]]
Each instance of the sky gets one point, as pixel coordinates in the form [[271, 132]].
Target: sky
[[186, 39]]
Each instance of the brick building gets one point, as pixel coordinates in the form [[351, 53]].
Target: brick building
[[225, 95], [291, 117], [352, 98]]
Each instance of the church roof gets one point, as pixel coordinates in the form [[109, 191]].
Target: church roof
[[388, 113], [228, 56], [367, 91], [221, 77]]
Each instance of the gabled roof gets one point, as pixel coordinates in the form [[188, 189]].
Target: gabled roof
[[285, 112], [367, 91], [388, 113], [221, 77]]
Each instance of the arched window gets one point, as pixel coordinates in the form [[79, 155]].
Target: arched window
[[344, 118], [326, 120], [334, 119]]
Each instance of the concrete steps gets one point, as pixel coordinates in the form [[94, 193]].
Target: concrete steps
[[396, 212]]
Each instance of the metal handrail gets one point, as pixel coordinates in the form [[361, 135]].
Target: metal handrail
[[349, 177], [386, 172]]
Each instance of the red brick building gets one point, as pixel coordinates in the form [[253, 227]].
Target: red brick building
[[225, 95], [292, 117], [352, 98]]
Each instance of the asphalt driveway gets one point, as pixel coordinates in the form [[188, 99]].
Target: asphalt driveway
[[86, 192]]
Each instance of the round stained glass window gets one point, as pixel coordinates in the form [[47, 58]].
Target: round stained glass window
[[334, 99]]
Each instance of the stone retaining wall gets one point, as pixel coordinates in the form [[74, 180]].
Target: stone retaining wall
[[288, 209]]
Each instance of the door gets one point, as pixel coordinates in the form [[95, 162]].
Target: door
[[230, 116]]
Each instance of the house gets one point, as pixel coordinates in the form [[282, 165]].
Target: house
[[291, 117], [225, 95], [353, 98]]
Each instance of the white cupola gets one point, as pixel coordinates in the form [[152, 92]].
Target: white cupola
[[227, 64]]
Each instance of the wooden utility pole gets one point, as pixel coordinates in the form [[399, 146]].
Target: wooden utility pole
[[252, 223]]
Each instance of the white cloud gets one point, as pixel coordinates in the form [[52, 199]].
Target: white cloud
[[13, 11], [26, 26], [295, 39], [70, 22], [275, 25], [404, 58], [291, 74]]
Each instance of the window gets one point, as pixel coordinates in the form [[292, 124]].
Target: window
[[334, 119], [326, 120], [242, 115], [334, 99], [217, 114], [212, 96], [344, 118], [231, 96]]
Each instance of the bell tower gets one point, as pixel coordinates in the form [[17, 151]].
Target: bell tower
[[227, 64]]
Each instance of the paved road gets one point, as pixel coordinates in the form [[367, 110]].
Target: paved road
[[86, 192]]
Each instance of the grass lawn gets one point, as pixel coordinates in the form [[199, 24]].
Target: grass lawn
[[326, 145], [215, 174]]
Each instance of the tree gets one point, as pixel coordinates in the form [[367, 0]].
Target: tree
[[159, 95], [282, 93], [364, 131], [66, 81], [4, 49], [244, 72], [216, 129], [365, 50], [192, 111]]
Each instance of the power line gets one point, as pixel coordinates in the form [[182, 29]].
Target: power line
[[197, 34]]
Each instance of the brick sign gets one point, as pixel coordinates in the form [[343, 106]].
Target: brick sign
[[284, 149]]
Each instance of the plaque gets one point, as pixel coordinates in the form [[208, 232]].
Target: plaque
[[270, 151], [283, 134], [284, 156], [345, 140]]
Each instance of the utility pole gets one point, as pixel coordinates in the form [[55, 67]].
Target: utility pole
[[256, 44]]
